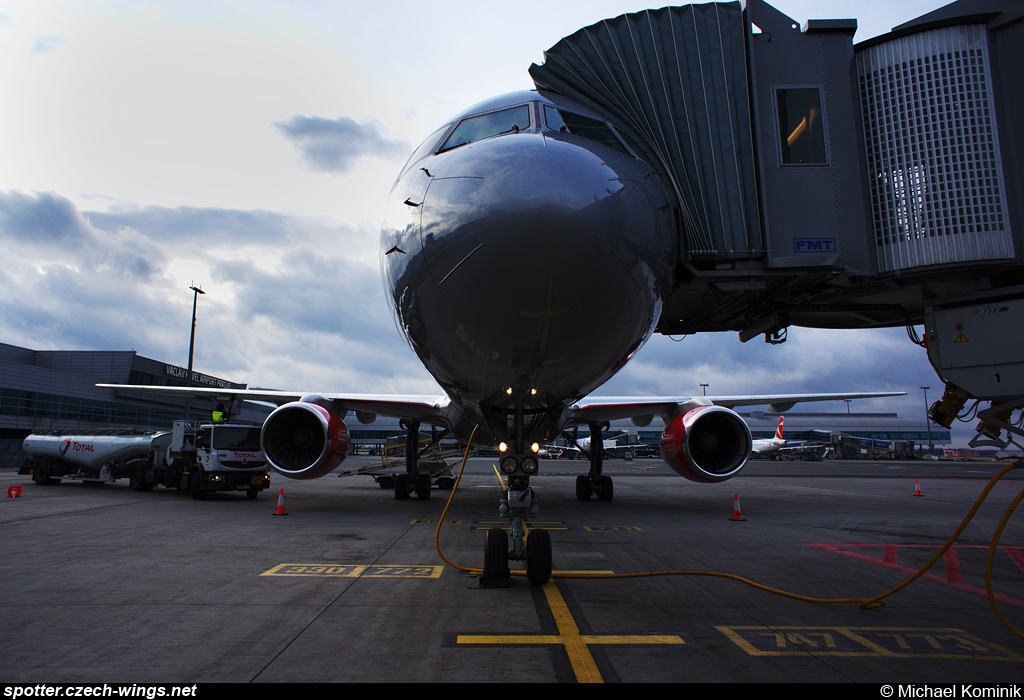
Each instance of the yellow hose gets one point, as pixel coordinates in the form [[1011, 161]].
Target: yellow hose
[[875, 602]]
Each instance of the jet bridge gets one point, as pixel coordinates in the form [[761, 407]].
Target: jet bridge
[[821, 184]]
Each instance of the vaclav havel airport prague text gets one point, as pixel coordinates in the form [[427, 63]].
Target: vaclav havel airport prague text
[[962, 690], [103, 690]]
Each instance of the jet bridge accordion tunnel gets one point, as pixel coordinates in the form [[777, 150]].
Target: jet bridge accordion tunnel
[[817, 183]]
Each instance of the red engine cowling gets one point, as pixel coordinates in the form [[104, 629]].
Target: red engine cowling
[[304, 440], [707, 444]]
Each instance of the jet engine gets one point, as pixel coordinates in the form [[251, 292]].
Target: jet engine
[[304, 440], [706, 444]]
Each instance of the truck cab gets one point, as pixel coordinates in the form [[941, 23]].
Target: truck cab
[[218, 457]]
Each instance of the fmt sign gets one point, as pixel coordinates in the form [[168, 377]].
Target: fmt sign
[[814, 245]]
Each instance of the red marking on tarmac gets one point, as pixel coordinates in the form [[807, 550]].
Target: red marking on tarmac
[[951, 560]]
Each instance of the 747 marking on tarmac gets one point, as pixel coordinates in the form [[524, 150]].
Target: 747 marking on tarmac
[[913, 642]]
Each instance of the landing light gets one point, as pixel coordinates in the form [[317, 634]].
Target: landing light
[[502, 447], [535, 448], [509, 391]]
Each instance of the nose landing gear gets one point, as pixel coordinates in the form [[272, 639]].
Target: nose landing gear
[[533, 546]]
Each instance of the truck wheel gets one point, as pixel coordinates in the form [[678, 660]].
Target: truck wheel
[[251, 494], [41, 476], [195, 485], [137, 481]]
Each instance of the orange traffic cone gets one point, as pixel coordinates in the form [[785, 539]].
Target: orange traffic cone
[[14, 491], [737, 515], [280, 503], [917, 488]]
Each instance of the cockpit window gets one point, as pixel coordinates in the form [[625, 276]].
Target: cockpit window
[[562, 120], [503, 121], [424, 148]]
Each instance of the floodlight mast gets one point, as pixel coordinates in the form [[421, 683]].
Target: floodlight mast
[[196, 291]]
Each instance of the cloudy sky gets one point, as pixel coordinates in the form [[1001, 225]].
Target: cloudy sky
[[250, 147]]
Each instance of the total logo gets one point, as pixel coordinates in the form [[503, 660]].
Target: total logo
[[69, 445], [244, 456]]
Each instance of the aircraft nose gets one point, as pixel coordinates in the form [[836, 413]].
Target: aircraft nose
[[548, 218], [539, 245]]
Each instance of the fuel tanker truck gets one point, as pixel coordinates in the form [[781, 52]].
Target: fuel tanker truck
[[198, 459]]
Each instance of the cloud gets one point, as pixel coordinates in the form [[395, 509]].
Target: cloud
[[48, 44], [41, 216], [335, 145], [292, 302], [191, 224]]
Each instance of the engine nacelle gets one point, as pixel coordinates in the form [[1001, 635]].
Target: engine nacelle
[[707, 444], [304, 440]]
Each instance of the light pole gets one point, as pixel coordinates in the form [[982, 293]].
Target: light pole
[[704, 387], [927, 422], [196, 291], [847, 405]]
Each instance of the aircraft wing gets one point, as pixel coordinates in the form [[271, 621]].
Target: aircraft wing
[[419, 407], [599, 409]]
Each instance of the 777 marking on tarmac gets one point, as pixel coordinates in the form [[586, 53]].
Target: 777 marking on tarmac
[[355, 571], [577, 645]]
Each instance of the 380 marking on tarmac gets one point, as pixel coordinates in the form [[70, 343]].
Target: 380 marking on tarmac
[[866, 641], [355, 571]]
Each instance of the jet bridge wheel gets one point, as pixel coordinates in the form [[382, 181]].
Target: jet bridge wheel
[[584, 489], [423, 486], [538, 557], [495, 559]]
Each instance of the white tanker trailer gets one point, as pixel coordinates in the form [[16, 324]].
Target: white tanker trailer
[[199, 459]]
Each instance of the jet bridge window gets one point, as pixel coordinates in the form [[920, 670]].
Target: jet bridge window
[[801, 126], [593, 129], [504, 121]]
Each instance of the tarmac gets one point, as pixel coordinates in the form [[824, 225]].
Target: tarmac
[[101, 584]]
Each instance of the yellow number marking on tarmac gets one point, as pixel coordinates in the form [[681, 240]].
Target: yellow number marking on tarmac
[[612, 528], [904, 642], [576, 644], [355, 571], [427, 521]]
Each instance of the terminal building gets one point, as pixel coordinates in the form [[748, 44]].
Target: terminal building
[[55, 390]]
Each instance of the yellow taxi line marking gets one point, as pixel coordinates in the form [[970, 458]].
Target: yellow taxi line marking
[[576, 644]]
